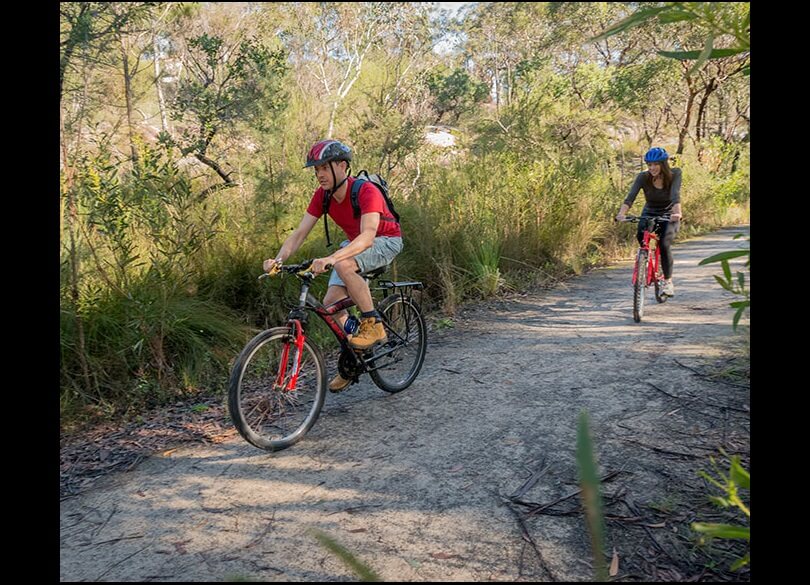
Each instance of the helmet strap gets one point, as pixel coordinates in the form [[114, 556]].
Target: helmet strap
[[334, 179]]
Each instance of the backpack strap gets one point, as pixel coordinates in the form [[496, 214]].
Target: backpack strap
[[327, 199], [355, 195]]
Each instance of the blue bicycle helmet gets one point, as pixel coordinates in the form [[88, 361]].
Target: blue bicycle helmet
[[656, 155]]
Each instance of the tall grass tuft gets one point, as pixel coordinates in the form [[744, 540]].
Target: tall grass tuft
[[363, 571], [147, 346], [591, 498]]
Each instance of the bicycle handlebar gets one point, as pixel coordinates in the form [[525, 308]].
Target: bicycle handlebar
[[300, 270], [636, 218]]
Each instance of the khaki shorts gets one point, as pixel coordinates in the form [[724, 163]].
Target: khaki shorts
[[381, 253]]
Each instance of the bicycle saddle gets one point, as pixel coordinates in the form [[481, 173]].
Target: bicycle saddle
[[369, 274]]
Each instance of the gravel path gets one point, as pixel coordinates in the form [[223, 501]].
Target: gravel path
[[416, 484]]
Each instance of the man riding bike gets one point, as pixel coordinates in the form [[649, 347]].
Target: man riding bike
[[373, 240]]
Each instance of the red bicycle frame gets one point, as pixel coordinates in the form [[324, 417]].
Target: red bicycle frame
[[297, 341], [649, 243], [327, 314], [298, 318]]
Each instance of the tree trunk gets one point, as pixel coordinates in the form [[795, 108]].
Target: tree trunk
[[685, 127], [274, 195], [72, 41], [647, 135], [128, 96], [721, 121], [63, 63], [497, 91], [332, 120], [700, 123], [164, 120], [72, 219], [508, 83], [344, 87], [700, 126]]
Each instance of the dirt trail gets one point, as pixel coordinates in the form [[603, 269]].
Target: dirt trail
[[415, 483]]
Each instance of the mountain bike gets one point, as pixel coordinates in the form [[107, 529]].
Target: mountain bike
[[278, 383], [647, 269]]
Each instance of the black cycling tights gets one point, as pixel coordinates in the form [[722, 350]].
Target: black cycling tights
[[670, 228]]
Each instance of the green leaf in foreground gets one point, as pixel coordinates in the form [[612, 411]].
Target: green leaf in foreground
[[361, 570]]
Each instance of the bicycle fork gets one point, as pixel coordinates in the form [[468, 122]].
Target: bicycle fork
[[637, 268], [651, 266], [297, 342]]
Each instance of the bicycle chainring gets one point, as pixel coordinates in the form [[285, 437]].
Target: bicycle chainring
[[348, 365]]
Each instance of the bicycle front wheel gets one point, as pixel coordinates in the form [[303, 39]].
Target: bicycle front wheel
[[639, 285], [659, 289], [406, 345], [266, 410]]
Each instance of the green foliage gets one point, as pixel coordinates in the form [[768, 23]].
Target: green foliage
[[636, 86], [88, 26], [732, 283], [444, 323], [150, 217], [387, 122], [548, 128], [227, 84], [147, 335], [485, 257], [712, 198], [732, 19], [730, 485], [363, 571], [144, 346], [454, 92]]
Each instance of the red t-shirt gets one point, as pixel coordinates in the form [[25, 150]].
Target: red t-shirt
[[370, 200]]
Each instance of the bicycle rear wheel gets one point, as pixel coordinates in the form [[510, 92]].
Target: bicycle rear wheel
[[659, 279], [407, 344], [639, 285], [266, 413]]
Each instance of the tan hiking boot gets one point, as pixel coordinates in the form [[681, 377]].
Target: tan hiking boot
[[338, 383], [371, 331]]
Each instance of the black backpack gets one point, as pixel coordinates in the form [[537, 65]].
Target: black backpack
[[375, 180]]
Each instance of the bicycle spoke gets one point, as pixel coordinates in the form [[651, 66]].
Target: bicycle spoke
[[266, 412], [397, 369]]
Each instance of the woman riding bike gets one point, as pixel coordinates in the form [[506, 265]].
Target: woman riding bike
[[661, 186]]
